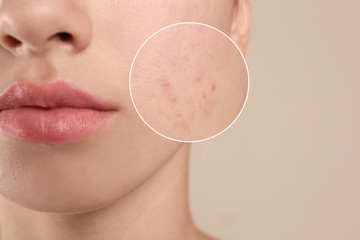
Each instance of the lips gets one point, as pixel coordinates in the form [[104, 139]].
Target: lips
[[54, 113]]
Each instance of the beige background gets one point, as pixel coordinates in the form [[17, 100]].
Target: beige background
[[290, 167]]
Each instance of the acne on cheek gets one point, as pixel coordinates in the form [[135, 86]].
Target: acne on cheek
[[208, 100], [188, 101], [168, 92], [190, 94]]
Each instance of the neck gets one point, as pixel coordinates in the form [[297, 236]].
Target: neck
[[158, 209]]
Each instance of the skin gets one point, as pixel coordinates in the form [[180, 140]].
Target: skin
[[183, 84], [124, 181]]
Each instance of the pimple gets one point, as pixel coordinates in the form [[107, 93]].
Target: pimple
[[213, 87], [179, 115], [166, 85], [185, 126], [198, 79], [204, 95], [173, 99]]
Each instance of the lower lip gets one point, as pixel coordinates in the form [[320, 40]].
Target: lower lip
[[58, 125]]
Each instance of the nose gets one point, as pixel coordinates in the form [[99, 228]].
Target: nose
[[40, 25]]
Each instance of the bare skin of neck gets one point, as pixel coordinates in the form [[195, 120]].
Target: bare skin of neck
[[158, 209]]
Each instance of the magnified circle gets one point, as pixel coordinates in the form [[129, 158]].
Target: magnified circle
[[189, 82]]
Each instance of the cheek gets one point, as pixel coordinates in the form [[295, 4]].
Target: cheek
[[180, 79], [128, 24], [182, 98]]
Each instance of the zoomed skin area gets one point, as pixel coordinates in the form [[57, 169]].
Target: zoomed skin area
[[189, 82]]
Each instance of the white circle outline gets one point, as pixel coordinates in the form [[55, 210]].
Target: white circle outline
[[196, 23]]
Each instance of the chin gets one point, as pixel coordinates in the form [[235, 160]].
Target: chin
[[46, 194], [81, 177], [72, 183]]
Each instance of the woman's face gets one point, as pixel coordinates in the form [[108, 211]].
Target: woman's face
[[105, 36]]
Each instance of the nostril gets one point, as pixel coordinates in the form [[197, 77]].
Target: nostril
[[12, 42], [65, 37]]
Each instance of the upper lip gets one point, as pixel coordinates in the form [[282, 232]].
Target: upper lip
[[58, 94]]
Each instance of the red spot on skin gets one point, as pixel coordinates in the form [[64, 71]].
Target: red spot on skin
[[187, 58], [198, 79], [213, 87], [185, 126], [173, 99], [179, 115], [165, 85], [204, 95]]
